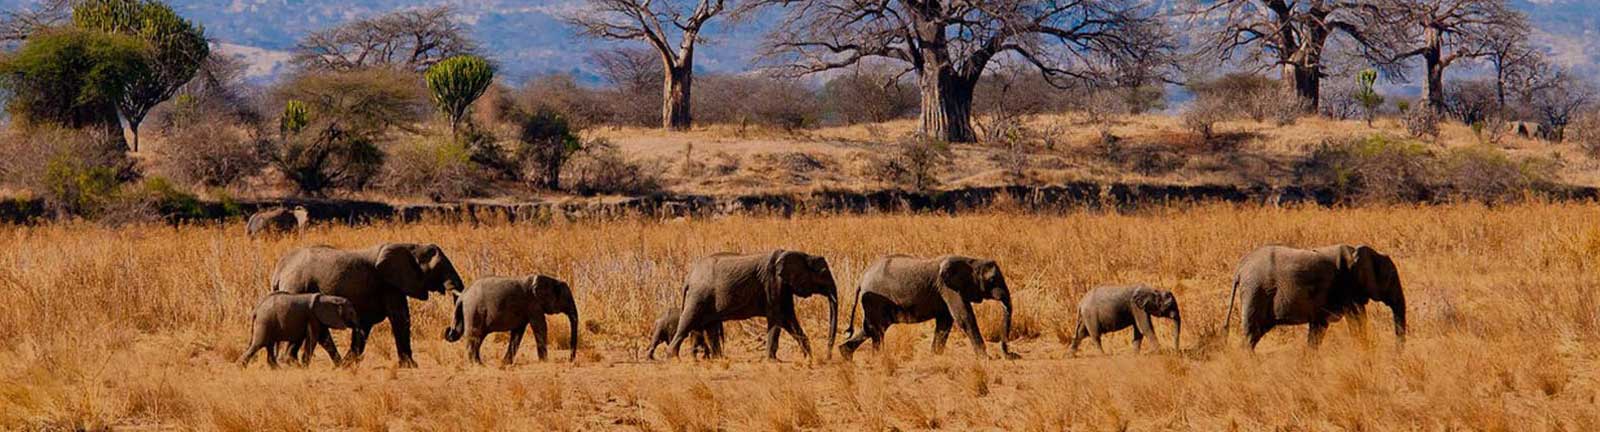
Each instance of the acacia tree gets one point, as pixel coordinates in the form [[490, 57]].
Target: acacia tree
[[657, 22], [1292, 35], [948, 44], [411, 39], [1512, 58], [1440, 32], [176, 50]]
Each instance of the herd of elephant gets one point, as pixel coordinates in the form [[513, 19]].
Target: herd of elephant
[[316, 289]]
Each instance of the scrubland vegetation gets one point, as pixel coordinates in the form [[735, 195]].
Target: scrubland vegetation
[[138, 327]]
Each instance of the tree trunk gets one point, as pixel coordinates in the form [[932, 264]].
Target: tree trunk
[[675, 113], [1433, 58], [1305, 84], [946, 104]]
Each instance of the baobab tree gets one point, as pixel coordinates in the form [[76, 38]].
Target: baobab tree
[[948, 44], [1292, 35], [672, 28], [1440, 32]]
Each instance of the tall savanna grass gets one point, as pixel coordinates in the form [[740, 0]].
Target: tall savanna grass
[[131, 327]]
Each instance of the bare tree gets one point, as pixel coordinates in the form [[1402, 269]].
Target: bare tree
[[658, 23], [412, 39], [1557, 97], [17, 24], [628, 69], [948, 44], [1440, 32], [1293, 35], [1512, 58]]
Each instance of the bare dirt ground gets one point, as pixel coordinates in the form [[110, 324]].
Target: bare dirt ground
[[138, 327]]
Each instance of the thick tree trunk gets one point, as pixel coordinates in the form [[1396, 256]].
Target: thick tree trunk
[[1305, 84], [1433, 58], [946, 105], [675, 114]]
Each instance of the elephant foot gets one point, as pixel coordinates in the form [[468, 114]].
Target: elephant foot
[[407, 363], [1011, 356], [846, 352]]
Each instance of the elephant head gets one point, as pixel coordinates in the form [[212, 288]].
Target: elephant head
[[557, 297], [1161, 303], [978, 280], [417, 269], [333, 311], [804, 275], [1366, 275]]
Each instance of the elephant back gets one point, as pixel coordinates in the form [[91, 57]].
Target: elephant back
[[325, 270]]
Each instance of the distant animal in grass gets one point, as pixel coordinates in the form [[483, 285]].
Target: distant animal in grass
[[294, 319], [277, 221], [705, 343], [1113, 308]]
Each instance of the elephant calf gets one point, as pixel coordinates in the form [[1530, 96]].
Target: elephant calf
[[512, 305], [294, 318], [706, 343], [277, 221], [1112, 308]]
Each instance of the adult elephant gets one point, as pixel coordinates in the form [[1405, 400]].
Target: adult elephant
[[729, 287], [904, 289], [1286, 286], [376, 280]]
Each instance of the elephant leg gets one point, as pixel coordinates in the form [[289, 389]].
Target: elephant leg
[[249, 354], [941, 332], [541, 337], [773, 330], [1138, 340], [699, 346], [400, 325], [1315, 332], [848, 348], [358, 343], [512, 344], [714, 336], [792, 325], [961, 312], [474, 348], [688, 321], [651, 353], [1253, 335], [272, 355], [326, 340], [294, 353], [1078, 333]]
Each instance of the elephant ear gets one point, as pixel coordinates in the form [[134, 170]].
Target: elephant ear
[[786, 265], [398, 268], [958, 274], [326, 312], [1143, 299]]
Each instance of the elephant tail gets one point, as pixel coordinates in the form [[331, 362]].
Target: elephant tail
[[850, 320], [1232, 296]]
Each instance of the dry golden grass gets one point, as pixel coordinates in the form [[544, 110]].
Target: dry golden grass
[[138, 327]]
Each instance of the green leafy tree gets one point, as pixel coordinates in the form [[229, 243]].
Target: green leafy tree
[[456, 83], [177, 48], [72, 78], [296, 115], [1367, 95]]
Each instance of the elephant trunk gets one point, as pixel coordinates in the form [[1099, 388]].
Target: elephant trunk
[[1005, 332], [833, 323], [572, 323], [1177, 331], [456, 328], [1398, 307]]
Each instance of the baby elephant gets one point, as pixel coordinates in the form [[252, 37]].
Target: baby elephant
[[512, 305], [1111, 308], [295, 318], [706, 343], [277, 221]]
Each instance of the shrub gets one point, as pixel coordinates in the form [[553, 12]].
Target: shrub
[[914, 162], [1586, 132], [582, 107], [1422, 123], [75, 172], [325, 156], [367, 102], [1241, 94], [868, 95], [440, 169], [602, 169], [1486, 174], [545, 141], [1202, 116], [755, 100], [1376, 168], [456, 83], [210, 153]]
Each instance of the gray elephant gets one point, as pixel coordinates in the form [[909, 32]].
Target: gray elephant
[[904, 289], [1286, 286], [512, 305], [706, 343], [728, 287], [1113, 308], [293, 318], [376, 280], [277, 221]]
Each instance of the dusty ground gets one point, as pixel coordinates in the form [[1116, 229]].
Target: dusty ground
[[137, 328]]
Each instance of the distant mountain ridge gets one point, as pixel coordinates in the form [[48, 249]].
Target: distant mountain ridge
[[528, 39]]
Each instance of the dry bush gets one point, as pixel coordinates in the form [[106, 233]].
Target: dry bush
[[755, 100], [75, 172], [1421, 122], [1202, 116], [440, 169], [1380, 168], [1586, 132], [915, 162], [602, 169], [210, 154], [868, 94]]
